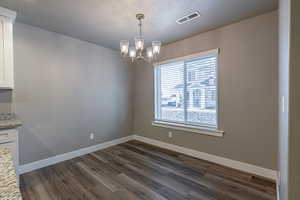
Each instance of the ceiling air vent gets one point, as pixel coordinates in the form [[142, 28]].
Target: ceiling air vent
[[188, 17]]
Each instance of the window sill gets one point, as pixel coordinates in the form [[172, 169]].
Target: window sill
[[189, 128]]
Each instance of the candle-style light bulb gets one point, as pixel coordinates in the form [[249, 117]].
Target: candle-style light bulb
[[124, 45]]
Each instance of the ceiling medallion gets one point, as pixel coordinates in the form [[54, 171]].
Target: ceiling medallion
[[138, 52]]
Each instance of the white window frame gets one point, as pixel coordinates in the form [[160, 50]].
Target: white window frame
[[181, 126]]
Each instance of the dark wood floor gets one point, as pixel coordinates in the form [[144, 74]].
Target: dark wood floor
[[135, 170]]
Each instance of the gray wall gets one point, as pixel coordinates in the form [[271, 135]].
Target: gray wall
[[64, 89], [248, 92], [283, 144]]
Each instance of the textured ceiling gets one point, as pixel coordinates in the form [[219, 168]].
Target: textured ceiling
[[106, 22]]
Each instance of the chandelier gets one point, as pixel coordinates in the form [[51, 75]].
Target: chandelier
[[137, 52]]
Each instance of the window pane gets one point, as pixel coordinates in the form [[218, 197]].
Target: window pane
[[171, 97], [201, 91]]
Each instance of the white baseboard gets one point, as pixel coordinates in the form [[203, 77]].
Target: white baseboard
[[256, 170], [67, 156]]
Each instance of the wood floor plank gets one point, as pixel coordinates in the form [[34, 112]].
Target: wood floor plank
[[104, 180], [135, 171], [140, 190]]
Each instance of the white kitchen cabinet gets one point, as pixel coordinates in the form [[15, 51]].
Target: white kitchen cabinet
[[7, 18]]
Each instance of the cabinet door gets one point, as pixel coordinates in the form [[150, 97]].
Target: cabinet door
[[6, 42], [2, 72]]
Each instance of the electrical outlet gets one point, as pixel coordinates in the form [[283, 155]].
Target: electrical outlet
[[283, 104], [91, 136], [170, 134]]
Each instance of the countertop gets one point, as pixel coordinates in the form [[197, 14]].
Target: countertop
[[9, 189], [9, 121]]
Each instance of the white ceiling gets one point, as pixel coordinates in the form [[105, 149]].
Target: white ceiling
[[106, 22]]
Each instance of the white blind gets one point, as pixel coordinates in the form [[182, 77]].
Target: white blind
[[186, 91]]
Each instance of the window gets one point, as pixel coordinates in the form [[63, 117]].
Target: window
[[186, 91]]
